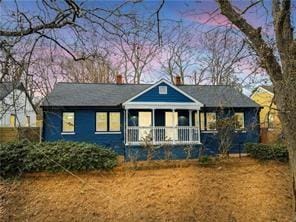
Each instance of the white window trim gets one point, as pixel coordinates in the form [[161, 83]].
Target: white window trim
[[240, 131], [102, 131], [68, 132], [243, 128], [199, 120], [110, 121], [108, 132], [163, 90], [206, 122], [209, 131]]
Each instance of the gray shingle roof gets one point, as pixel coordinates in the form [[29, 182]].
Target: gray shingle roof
[[218, 96], [7, 87], [85, 94], [268, 88]]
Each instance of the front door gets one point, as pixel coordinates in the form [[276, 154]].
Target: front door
[[171, 122], [145, 124]]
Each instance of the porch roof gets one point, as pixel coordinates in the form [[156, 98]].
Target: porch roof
[[88, 94]]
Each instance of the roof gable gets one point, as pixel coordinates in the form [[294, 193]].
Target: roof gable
[[172, 95], [7, 87]]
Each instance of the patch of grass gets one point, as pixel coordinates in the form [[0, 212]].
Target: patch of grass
[[206, 160]]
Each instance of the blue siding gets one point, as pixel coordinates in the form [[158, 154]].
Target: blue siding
[[153, 95], [84, 129], [178, 152], [250, 135]]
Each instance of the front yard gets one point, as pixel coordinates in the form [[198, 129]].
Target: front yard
[[235, 190]]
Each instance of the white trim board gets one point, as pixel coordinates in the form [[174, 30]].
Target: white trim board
[[162, 105], [169, 84]]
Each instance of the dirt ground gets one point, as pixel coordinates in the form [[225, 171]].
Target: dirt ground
[[235, 190]]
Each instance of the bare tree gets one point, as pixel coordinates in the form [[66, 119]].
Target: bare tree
[[179, 54], [226, 130], [222, 57], [279, 60], [96, 69], [136, 50], [63, 31]]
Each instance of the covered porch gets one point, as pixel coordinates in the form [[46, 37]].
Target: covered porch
[[162, 124]]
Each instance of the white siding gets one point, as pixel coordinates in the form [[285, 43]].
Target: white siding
[[18, 104]]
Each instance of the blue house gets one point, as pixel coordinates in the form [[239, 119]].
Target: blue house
[[124, 116]]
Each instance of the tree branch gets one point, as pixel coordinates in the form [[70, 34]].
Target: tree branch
[[254, 35]]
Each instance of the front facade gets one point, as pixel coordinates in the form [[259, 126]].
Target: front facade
[[16, 108], [127, 117], [270, 124]]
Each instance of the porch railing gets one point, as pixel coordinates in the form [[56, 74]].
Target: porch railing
[[162, 135]]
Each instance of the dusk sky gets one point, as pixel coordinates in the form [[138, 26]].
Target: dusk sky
[[202, 16]]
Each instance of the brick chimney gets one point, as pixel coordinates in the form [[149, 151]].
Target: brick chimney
[[178, 81], [118, 79]]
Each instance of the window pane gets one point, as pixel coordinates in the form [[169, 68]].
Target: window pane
[[101, 121], [28, 121], [12, 120], [163, 90], [114, 121], [68, 122], [271, 120], [211, 121], [239, 120], [202, 121]]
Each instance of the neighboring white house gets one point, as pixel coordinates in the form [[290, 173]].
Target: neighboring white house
[[16, 108]]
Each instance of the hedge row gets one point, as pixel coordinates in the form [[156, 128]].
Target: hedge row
[[19, 157], [268, 151]]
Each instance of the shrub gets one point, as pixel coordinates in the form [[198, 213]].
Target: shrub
[[268, 151], [206, 160], [53, 156], [12, 156], [226, 128]]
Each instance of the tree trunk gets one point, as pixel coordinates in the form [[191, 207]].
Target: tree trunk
[[285, 98], [280, 64]]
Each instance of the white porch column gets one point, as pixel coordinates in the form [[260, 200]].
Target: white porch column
[[174, 127], [190, 126], [153, 126], [126, 126], [198, 124]]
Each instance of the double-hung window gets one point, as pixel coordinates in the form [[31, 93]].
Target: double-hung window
[[207, 120], [211, 121], [202, 120], [239, 121], [108, 122], [101, 122], [68, 122], [114, 121], [199, 121]]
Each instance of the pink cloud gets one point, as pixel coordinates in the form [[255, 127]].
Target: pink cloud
[[215, 19]]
